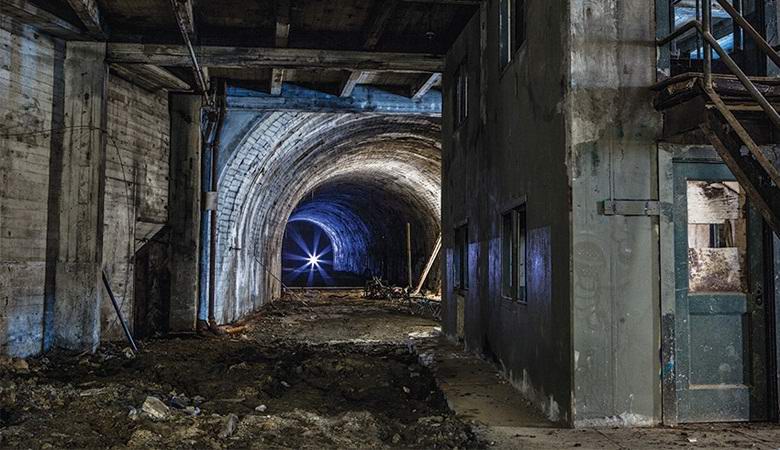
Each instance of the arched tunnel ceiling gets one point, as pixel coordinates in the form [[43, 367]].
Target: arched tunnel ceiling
[[286, 156]]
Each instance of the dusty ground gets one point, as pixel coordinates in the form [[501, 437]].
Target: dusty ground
[[317, 371], [307, 373]]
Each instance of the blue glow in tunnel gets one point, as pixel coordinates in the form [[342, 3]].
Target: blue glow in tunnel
[[307, 255]]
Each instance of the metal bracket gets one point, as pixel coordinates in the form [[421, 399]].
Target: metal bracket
[[630, 208]]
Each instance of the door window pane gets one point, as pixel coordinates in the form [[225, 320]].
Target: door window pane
[[717, 237]]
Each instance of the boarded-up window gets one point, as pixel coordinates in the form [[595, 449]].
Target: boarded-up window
[[717, 237]]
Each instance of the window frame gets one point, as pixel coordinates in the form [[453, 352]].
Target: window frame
[[512, 30], [514, 254]]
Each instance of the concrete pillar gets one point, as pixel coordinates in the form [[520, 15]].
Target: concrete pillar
[[184, 211], [78, 285]]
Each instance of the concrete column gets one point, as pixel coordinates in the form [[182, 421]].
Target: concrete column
[[79, 258], [184, 211]]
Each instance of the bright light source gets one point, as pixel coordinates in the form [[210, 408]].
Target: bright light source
[[314, 261]]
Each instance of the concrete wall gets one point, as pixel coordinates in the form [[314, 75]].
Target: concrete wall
[[28, 75], [135, 197], [612, 130], [513, 150], [136, 193]]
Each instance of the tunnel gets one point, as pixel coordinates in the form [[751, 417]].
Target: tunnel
[[360, 178], [365, 215]]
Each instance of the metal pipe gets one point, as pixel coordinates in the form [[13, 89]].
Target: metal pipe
[[693, 24], [119, 313], [199, 77], [213, 215], [707, 25]]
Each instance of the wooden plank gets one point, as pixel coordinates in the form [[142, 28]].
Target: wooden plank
[[282, 23], [282, 41], [374, 32], [89, 14], [44, 21], [448, 2], [254, 57], [355, 78], [277, 80], [149, 77], [420, 91], [365, 99]]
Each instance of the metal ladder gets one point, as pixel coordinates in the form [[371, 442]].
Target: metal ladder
[[753, 170]]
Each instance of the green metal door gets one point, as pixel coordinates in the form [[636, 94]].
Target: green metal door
[[720, 324]]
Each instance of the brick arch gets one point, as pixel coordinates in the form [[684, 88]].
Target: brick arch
[[286, 156]]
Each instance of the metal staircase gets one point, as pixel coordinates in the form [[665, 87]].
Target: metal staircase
[[735, 113]]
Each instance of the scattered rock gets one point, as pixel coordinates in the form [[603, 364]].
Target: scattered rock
[[192, 410], [396, 438], [285, 384], [261, 408], [231, 423], [241, 366], [407, 390], [129, 353], [155, 408], [180, 401], [21, 366]]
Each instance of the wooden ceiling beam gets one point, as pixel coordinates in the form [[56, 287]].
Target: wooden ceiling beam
[[448, 2], [423, 88], [89, 14], [377, 28], [282, 41], [256, 57], [42, 20], [150, 77], [354, 79]]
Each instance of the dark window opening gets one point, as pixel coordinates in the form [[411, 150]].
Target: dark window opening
[[461, 260], [513, 255], [512, 29]]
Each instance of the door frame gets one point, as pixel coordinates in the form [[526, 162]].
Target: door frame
[[670, 155]]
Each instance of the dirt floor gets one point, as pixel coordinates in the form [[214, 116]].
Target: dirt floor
[[314, 370]]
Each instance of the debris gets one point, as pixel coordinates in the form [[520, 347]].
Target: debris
[[192, 410], [129, 353], [231, 423], [155, 408], [21, 366], [241, 366], [407, 390], [261, 408], [285, 384], [180, 401]]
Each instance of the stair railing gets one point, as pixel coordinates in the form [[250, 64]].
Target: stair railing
[[704, 28]]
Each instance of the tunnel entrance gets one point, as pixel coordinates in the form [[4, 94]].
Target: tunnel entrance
[[353, 227]]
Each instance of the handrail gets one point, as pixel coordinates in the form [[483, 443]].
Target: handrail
[[704, 29], [745, 25]]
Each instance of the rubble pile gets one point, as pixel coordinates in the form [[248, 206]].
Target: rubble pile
[[270, 387]]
